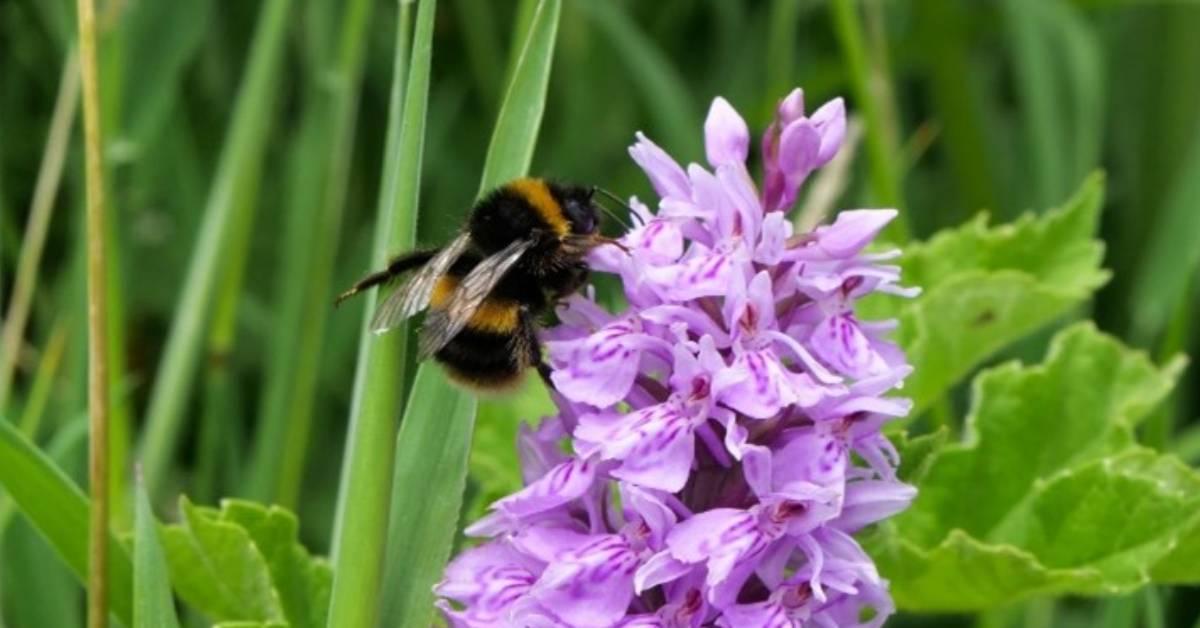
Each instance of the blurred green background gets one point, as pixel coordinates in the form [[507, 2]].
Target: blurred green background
[[1000, 105]]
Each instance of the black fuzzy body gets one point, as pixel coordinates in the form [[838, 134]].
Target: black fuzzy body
[[495, 357]]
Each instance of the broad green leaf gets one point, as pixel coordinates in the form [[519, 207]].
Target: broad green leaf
[[985, 287], [431, 470], [153, 606], [301, 581], [1049, 494], [244, 563], [251, 624], [217, 569], [917, 452], [58, 510]]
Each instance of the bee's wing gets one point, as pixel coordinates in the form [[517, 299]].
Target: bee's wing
[[413, 296], [442, 324]]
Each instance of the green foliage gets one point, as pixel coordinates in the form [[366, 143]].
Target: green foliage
[[58, 510], [381, 369], [244, 563], [431, 470], [1050, 493], [515, 134], [231, 129], [153, 606], [495, 467], [985, 287]]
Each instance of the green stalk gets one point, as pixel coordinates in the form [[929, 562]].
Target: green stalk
[[238, 167], [41, 208], [360, 531], [43, 382], [97, 311], [870, 84], [298, 417]]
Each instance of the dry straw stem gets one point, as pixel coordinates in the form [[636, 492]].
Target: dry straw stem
[[41, 208], [97, 325]]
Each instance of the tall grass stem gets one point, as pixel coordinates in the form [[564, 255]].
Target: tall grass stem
[[97, 311], [41, 208]]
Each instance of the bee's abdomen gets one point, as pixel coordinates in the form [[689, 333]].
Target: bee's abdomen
[[485, 354], [483, 359]]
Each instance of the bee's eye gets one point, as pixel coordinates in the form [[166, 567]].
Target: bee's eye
[[582, 216]]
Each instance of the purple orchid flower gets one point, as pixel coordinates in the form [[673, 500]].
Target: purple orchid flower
[[725, 429]]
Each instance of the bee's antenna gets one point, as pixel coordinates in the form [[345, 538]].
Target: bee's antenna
[[618, 201]]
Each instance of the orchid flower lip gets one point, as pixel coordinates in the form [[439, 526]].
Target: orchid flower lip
[[717, 442]]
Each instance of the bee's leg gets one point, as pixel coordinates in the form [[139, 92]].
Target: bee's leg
[[543, 370], [396, 267], [573, 278]]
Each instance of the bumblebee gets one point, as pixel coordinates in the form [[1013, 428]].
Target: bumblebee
[[522, 250]]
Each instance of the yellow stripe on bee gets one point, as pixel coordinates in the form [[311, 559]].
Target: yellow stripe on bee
[[538, 194], [493, 315]]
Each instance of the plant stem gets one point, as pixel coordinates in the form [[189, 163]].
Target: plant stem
[[97, 325], [871, 88], [41, 208]]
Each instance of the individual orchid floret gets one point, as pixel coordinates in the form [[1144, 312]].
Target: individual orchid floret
[[718, 442]]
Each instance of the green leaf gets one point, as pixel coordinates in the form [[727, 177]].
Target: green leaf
[[1050, 493], [251, 624], [244, 563], [301, 581], [364, 499], [986, 287], [153, 606], [515, 135], [917, 452], [58, 510], [431, 470], [217, 569]]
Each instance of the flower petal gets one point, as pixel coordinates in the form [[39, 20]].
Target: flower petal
[[726, 137], [664, 172], [590, 586]]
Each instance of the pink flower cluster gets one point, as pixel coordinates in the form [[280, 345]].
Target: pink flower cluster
[[724, 429]]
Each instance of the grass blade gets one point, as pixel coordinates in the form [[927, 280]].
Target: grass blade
[[153, 606], [520, 117], [361, 527], [666, 94], [59, 511], [870, 84], [281, 446], [239, 164], [431, 473], [435, 436], [1171, 256], [42, 206]]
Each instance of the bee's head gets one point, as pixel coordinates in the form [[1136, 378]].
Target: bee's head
[[578, 207]]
